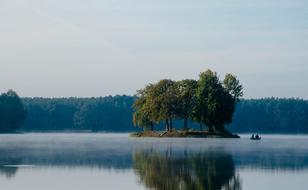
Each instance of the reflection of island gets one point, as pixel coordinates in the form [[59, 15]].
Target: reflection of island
[[165, 171], [76, 151]]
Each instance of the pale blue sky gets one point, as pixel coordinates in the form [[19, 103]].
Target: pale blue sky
[[96, 47]]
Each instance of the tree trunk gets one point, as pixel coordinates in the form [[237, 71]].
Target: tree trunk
[[185, 123], [171, 125], [201, 128], [152, 126], [167, 125]]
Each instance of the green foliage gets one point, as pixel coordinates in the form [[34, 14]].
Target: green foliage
[[271, 115], [141, 116], [233, 86], [186, 99], [156, 103], [109, 113], [215, 105], [12, 113], [165, 98], [206, 94], [205, 101]]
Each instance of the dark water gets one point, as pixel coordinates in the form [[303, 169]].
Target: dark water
[[115, 161]]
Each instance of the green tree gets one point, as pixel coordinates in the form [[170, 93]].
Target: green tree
[[215, 103], [233, 86], [206, 98], [186, 96], [156, 103], [165, 101], [144, 108], [141, 116], [12, 112]]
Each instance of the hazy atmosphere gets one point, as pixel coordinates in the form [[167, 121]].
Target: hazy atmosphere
[[55, 48], [154, 94]]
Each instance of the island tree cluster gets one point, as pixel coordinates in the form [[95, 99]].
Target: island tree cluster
[[208, 101]]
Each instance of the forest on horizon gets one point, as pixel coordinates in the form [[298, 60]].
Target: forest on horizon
[[114, 114]]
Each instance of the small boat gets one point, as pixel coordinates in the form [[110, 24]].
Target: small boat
[[255, 139]]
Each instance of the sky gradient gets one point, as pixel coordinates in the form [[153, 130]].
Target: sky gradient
[[54, 48]]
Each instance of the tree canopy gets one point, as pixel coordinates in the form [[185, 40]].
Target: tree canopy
[[208, 101]]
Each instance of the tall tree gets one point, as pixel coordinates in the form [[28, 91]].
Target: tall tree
[[206, 93], [145, 109], [12, 112], [233, 86], [216, 102], [166, 101], [186, 99], [141, 116], [156, 103]]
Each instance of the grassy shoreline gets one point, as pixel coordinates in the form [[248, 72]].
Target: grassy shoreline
[[183, 134]]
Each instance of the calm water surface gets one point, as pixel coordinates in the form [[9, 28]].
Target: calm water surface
[[115, 161]]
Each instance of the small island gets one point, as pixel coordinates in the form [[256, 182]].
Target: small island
[[207, 101], [183, 133]]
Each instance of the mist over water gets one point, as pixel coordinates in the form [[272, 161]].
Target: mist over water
[[116, 161]]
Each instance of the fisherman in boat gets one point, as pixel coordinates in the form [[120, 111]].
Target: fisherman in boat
[[255, 137]]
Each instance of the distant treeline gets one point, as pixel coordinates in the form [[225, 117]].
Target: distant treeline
[[94, 114], [114, 114], [271, 115]]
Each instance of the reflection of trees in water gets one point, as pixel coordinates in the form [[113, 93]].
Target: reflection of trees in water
[[7, 170], [167, 171]]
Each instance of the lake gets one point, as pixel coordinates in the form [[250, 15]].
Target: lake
[[116, 161]]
